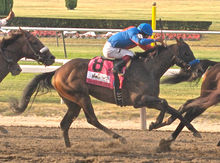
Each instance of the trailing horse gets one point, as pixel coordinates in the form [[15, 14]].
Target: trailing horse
[[21, 44], [18, 45], [209, 96], [140, 87]]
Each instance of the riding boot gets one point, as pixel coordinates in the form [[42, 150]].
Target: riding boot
[[120, 64]]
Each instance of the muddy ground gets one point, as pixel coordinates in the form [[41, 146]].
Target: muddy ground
[[45, 144]]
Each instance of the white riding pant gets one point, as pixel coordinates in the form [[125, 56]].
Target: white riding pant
[[117, 53]]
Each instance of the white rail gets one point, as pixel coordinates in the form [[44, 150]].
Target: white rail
[[103, 30]]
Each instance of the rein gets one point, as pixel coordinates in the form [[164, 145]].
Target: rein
[[38, 53], [181, 62]]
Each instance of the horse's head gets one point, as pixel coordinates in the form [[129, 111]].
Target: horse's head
[[29, 47], [184, 58], [184, 54], [36, 50]]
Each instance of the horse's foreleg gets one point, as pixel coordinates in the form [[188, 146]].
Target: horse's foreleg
[[190, 115], [172, 118], [92, 119], [158, 121], [162, 105], [72, 113]]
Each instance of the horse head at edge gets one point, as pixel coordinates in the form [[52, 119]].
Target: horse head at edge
[[29, 47]]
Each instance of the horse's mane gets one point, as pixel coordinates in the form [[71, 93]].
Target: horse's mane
[[145, 54], [12, 37]]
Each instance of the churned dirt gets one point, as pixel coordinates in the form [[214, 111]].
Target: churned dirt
[[35, 139]]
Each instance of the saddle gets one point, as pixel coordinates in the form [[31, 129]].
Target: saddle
[[100, 72]]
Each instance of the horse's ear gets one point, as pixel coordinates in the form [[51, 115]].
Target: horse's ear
[[179, 41], [20, 30]]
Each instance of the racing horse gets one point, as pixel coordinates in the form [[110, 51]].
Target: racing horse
[[140, 87], [209, 96], [21, 44]]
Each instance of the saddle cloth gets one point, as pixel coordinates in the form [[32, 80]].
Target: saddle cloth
[[100, 73]]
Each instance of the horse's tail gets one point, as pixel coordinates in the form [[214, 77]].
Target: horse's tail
[[38, 83], [188, 76], [205, 64]]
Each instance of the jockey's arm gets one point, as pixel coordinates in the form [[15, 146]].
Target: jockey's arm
[[5, 20], [143, 43]]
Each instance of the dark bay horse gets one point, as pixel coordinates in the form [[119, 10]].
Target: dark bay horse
[[21, 44], [140, 88], [209, 96], [18, 45]]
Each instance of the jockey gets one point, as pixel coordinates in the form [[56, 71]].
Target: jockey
[[118, 45], [5, 20]]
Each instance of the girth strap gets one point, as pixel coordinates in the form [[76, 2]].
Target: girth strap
[[117, 91]]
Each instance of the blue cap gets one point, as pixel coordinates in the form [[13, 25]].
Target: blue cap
[[145, 28]]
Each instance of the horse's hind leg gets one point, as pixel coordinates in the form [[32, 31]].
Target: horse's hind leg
[[71, 114], [196, 108], [92, 119], [162, 105]]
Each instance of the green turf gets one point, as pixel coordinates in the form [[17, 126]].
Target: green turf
[[207, 48], [184, 10]]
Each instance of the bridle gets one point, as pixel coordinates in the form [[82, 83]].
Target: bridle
[[175, 59], [39, 53], [178, 61], [13, 66]]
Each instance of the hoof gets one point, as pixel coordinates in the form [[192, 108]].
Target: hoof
[[197, 134], [68, 145], [3, 130], [151, 126], [123, 140], [164, 146], [218, 144]]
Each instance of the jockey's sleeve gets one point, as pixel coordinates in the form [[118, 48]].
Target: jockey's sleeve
[[146, 47], [139, 40]]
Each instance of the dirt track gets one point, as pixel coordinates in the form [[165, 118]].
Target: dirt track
[[45, 144]]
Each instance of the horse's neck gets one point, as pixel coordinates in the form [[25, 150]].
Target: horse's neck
[[14, 54], [163, 60], [3, 69]]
